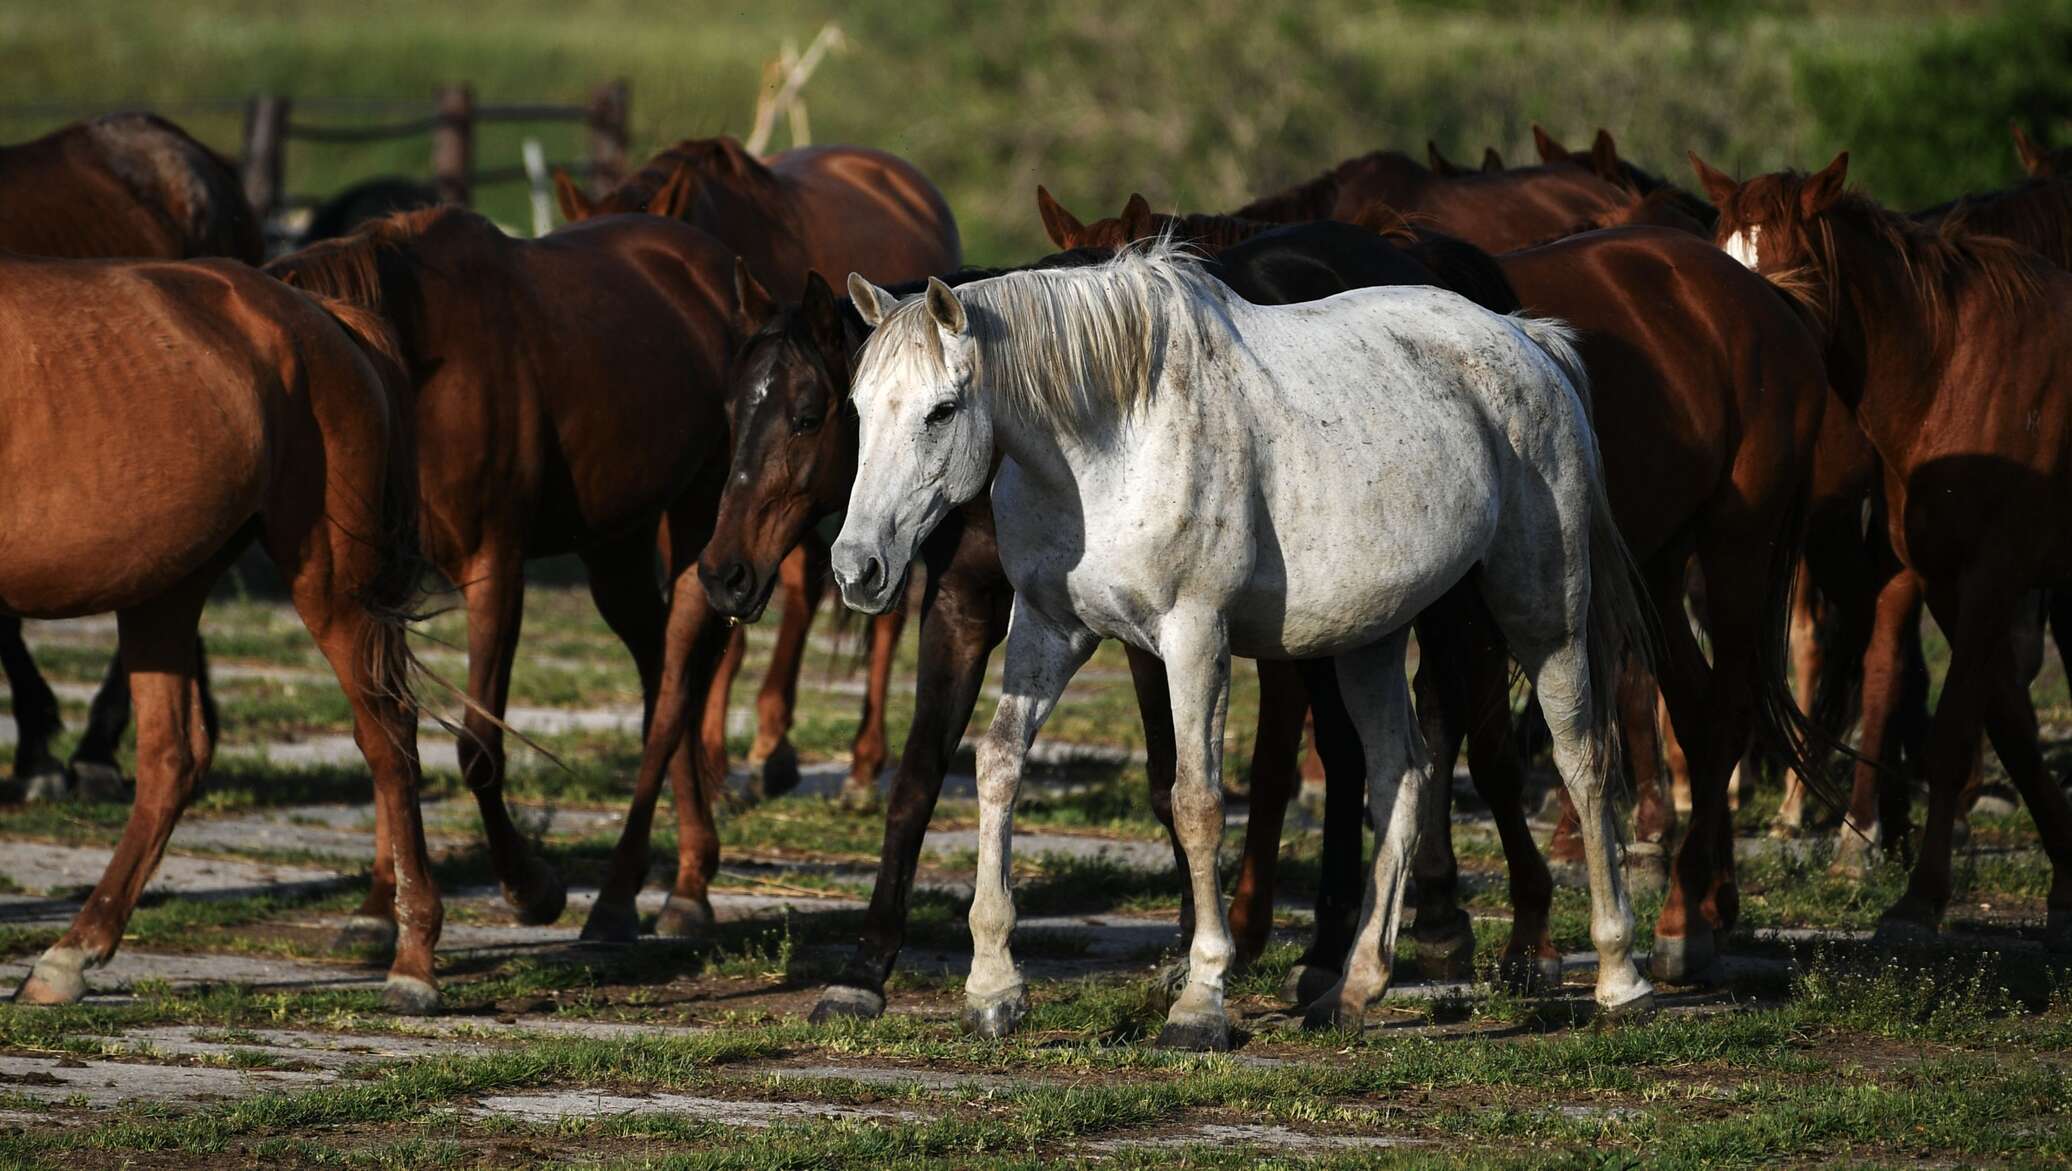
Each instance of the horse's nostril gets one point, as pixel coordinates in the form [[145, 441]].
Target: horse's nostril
[[735, 578], [873, 573]]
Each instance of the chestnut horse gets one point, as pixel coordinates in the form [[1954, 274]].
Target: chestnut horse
[[833, 209], [235, 409], [795, 462], [549, 425], [125, 185], [2039, 161], [1949, 349]]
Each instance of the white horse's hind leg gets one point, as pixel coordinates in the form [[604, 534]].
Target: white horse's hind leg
[[1398, 782], [1041, 658], [1196, 650], [1561, 679]]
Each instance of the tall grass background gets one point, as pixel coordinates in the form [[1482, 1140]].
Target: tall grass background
[[1198, 104]]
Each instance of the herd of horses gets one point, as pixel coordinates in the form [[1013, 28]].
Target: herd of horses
[[1541, 415]]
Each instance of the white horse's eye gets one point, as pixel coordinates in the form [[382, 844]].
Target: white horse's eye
[[941, 411]]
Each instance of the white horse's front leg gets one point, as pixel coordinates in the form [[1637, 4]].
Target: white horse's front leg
[[1042, 656], [1398, 782], [1196, 649]]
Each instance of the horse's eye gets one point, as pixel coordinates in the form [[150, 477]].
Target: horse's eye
[[806, 424], [943, 410]]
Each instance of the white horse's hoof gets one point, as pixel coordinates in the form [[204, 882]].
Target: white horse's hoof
[[1633, 1006], [410, 996], [683, 918], [59, 977], [1307, 982], [1202, 1033], [997, 1016], [846, 1002]]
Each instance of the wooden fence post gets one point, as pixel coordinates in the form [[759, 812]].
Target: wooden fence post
[[607, 123], [453, 144], [266, 125]]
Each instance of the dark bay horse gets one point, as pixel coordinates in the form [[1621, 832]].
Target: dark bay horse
[[567, 398], [1949, 348], [236, 410], [836, 209], [1494, 210], [799, 450], [2040, 161], [125, 185]]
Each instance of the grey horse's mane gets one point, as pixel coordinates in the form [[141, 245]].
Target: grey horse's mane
[[1066, 348]]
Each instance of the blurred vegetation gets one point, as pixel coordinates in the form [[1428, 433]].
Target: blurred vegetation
[[1199, 105]]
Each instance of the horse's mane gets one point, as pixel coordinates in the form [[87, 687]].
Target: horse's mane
[[2037, 213], [721, 159], [1049, 341], [1939, 262], [373, 267]]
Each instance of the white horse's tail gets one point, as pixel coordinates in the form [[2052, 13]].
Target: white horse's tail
[[1622, 633]]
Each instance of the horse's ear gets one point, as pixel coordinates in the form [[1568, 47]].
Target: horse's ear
[[674, 197], [1719, 186], [1063, 228], [1492, 162], [1441, 165], [753, 305], [1136, 218], [872, 303], [2025, 149], [574, 204], [1550, 150], [1824, 186], [944, 306], [1604, 157], [817, 305]]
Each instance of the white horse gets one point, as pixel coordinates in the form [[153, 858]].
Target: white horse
[[1202, 477]]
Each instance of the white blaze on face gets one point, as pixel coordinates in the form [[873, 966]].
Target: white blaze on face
[[1741, 245]]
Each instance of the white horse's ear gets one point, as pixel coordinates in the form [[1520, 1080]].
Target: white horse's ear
[[944, 306], [873, 304]]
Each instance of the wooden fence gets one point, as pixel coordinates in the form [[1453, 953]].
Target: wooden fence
[[272, 121]]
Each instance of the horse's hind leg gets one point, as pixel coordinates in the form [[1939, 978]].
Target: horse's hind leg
[[773, 763], [36, 717], [1339, 884], [172, 754], [1282, 704], [867, 754], [494, 586], [1398, 782]]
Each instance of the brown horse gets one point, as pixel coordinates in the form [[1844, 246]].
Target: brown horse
[[235, 409], [2039, 161], [827, 209], [126, 185], [548, 426], [1603, 160], [1496, 210], [1949, 349]]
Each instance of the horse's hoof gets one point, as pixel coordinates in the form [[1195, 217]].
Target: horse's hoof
[[1997, 801], [97, 780], [59, 977], [683, 918], [1328, 1015], [847, 1002], [539, 896], [1206, 1033], [1682, 959], [1647, 868], [1306, 982], [42, 787], [1907, 924], [859, 796], [1447, 950], [612, 923], [364, 934], [776, 774], [410, 996], [1530, 974], [1785, 831], [999, 1016], [1636, 1006]]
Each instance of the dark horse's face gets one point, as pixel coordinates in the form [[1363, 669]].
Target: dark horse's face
[[794, 445], [1768, 222]]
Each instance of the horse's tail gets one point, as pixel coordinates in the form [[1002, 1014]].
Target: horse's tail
[[1806, 742], [1621, 632]]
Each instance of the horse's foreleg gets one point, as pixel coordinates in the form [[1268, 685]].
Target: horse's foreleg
[[36, 717], [867, 753], [1196, 650], [172, 754], [1042, 657], [773, 764], [1339, 882], [1896, 616], [1275, 750], [1398, 782]]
